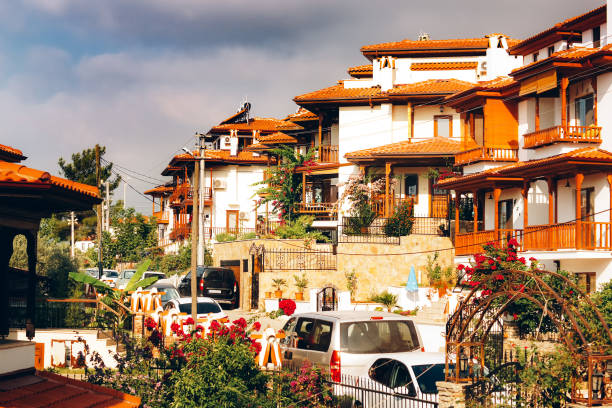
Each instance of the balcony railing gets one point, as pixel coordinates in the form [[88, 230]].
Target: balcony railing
[[328, 154], [183, 194], [317, 208], [593, 236], [497, 154], [558, 134], [161, 217], [378, 204]]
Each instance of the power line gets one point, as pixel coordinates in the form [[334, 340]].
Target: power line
[[125, 169]]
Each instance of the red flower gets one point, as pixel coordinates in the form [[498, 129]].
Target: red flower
[[499, 277], [460, 267], [287, 306], [522, 260], [150, 324], [256, 326], [491, 262], [189, 320], [513, 242], [242, 323], [515, 316], [532, 259], [174, 327], [493, 267]]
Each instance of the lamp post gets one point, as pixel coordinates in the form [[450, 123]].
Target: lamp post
[[463, 364], [597, 384]]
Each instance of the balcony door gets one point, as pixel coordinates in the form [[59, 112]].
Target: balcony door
[[587, 210], [505, 214], [231, 220], [584, 111]]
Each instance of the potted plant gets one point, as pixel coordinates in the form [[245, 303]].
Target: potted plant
[[300, 283], [278, 284], [268, 295], [351, 283], [439, 277], [386, 299]]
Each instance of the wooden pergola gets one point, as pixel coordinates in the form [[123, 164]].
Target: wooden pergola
[[26, 196]]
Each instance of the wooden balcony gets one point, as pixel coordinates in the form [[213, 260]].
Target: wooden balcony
[[559, 134], [181, 231], [328, 154], [593, 236], [378, 204], [161, 217], [329, 209], [496, 154], [183, 195]]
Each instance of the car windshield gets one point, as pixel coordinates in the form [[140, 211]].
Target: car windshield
[[378, 336], [213, 275], [151, 274], [111, 274], [128, 274], [169, 294], [427, 375], [203, 308]]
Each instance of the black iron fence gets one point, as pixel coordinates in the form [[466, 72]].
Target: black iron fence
[[298, 259], [431, 226], [350, 231]]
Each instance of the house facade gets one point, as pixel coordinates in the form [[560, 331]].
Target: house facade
[[553, 193]]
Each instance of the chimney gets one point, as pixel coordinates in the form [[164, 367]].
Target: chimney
[[234, 146], [386, 75]]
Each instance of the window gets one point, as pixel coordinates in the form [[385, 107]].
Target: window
[[505, 214], [304, 331], [427, 375], [443, 126], [535, 56], [289, 328], [203, 308], [232, 219], [392, 374], [321, 336], [584, 110], [551, 50], [596, 37], [391, 336], [411, 182]]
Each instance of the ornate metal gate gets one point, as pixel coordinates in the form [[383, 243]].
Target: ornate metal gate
[[326, 299]]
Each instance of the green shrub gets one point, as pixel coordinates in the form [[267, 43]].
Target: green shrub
[[248, 235], [225, 237], [385, 298], [301, 228], [400, 223]]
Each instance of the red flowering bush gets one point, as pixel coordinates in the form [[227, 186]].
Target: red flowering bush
[[149, 323], [304, 388], [287, 306]]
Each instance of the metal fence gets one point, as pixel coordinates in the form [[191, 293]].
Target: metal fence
[[298, 260], [431, 226], [350, 232]]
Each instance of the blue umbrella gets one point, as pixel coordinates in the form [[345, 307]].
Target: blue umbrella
[[412, 284]]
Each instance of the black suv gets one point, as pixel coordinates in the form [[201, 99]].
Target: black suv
[[217, 283]]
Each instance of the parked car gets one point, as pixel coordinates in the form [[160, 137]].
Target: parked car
[[168, 290], [124, 278], [93, 272], [345, 342], [149, 274], [206, 305], [217, 283], [110, 277]]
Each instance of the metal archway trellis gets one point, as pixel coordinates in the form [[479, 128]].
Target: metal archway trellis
[[468, 328]]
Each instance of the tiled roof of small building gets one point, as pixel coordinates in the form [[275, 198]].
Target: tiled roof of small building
[[434, 146], [51, 390], [18, 173], [338, 91], [497, 84], [302, 115], [446, 44], [278, 137], [159, 190], [262, 124], [11, 154], [442, 66], [431, 86], [222, 155], [361, 71]]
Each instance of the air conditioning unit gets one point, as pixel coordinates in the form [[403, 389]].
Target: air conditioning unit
[[219, 184], [244, 215], [226, 142]]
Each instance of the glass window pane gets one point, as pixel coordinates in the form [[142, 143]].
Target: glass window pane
[[321, 336], [427, 375], [412, 185], [391, 336], [443, 126], [304, 333]]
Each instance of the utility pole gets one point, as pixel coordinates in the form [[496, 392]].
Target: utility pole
[[194, 239], [99, 211], [72, 234], [201, 235], [108, 205]]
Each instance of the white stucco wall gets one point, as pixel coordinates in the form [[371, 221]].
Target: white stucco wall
[[604, 108], [362, 127]]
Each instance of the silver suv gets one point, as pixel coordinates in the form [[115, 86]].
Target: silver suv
[[344, 342]]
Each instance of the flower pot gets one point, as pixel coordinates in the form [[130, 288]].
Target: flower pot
[[299, 295], [278, 293], [441, 291], [363, 230], [268, 295]]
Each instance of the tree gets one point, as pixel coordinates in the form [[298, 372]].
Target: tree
[[83, 168]]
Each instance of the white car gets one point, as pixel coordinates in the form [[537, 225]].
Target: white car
[[110, 277], [206, 306]]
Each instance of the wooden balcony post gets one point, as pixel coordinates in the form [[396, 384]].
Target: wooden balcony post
[[537, 113], [304, 187], [496, 194], [579, 179], [525, 194], [475, 208], [551, 200], [409, 114], [457, 200], [594, 86], [609, 177], [472, 126], [387, 172], [564, 85], [320, 134]]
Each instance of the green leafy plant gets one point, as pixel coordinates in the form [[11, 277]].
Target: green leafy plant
[[300, 228], [360, 191], [248, 235], [301, 282], [439, 276], [225, 237], [279, 283], [401, 222], [351, 282], [385, 298]]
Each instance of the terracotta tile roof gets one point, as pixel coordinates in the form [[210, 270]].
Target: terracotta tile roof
[[447, 44], [565, 25], [234, 116], [222, 155], [497, 84], [18, 173], [570, 55], [278, 137], [51, 390], [361, 71], [259, 147], [431, 86], [339, 92], [588, 154], [261, 124], [159, 190], [11, 154], [434, 146], [302, 115], [442, 66]]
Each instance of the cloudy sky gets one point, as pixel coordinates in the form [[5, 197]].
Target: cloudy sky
[[141, 76]]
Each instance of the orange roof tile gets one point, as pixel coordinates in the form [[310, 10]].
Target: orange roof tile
[[588, 154], [440, 146], [159, 190], [11, 154], [431, 87], [474, 44], [51, 390], [261, 124], [278, 137], [223, 155], [18, 173], [561, 26], [302, 115], [442, 66], [361, 71], [569, 55], [497, 84]]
